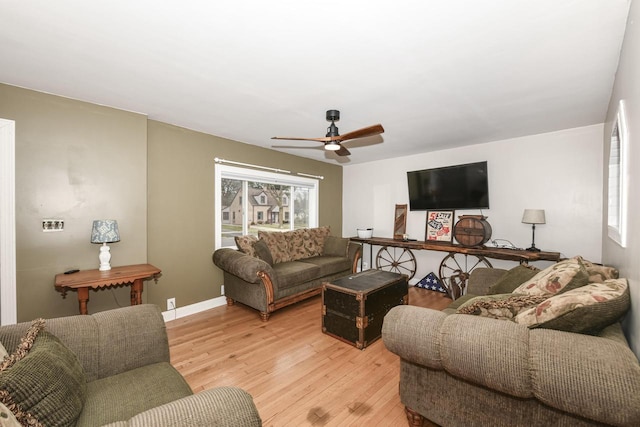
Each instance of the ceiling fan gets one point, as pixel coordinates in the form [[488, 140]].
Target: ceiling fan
[[333, 139]]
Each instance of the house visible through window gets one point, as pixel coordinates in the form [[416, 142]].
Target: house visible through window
[[266, 205]]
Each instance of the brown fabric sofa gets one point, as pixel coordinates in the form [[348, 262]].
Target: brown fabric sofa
[[124, 354], [282, 268], [459, 369]]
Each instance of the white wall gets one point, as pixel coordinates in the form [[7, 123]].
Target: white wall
[[627, 87], [560, 172]]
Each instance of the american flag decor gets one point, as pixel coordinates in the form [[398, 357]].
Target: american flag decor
[[431, 282]]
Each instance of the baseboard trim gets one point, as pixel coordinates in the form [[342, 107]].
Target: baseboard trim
[[198, 307]]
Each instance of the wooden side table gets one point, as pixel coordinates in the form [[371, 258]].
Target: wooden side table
[[133, 275]]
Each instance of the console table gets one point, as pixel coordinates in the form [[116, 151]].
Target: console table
[[133, 275], [455, 267]]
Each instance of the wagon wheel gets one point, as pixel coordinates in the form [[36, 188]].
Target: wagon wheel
[[455, 269], [398, 260]]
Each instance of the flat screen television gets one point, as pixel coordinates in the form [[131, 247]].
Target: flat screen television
[[452, 187]]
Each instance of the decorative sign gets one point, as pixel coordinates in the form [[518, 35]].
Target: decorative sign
[[439, 226]]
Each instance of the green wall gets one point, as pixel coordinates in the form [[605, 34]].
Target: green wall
[[182, 211], [79, 162]]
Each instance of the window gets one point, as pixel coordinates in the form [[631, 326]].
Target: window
[[618, 177], [266, 206]]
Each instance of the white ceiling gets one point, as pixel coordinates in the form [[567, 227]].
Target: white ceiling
[[436, 74]]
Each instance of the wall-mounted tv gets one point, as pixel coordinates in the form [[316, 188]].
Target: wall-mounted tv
[[452, 187]]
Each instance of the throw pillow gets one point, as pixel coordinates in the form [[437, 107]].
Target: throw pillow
[[7, 418], [43, 383], [598, 273], [262, 251], [315, 245], [587, 309], [245, 243], [512, 279], [278, 245], [336, 246], [499, 306], [297, 242], [559, 277]]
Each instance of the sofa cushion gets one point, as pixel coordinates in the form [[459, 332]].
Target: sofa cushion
[[336, 246], [42, 381], [500, 306], [245, 243], [294, 273], [316, 237], [278, 243], [587, 309], [512, 279], [329, 264], [261, 250], [122, 396], [3, 351], [559, 277], [297, 240]]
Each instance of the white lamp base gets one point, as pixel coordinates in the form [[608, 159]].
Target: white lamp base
[[105, 257]]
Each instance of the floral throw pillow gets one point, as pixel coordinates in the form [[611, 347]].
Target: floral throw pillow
[[587, 309], [598, 273], [559, 277], [296, 240], [314, 240], [278, 245], [245, 243]]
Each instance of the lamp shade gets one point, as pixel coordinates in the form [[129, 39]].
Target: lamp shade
[[105, 231], [533, 216]]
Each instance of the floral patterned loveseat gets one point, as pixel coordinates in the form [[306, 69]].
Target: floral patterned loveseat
[[276, 269]]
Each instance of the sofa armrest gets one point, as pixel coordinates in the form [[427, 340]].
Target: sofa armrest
[[220, 407], [241, 265], [354, 251], [412, 333]]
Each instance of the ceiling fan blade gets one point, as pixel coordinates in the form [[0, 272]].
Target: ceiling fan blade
[[293, 138], [360, 133], [342, 151]]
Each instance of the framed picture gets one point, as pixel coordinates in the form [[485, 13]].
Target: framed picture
[[439, 226]]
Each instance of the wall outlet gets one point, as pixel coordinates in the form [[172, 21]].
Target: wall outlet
[[365, 265], [171, 304], [221, 289], [49, 225]]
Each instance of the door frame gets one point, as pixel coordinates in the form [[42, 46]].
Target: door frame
[[8, 300]]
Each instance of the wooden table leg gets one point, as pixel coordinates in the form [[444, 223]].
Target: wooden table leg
[[136, 291], [83, 298]]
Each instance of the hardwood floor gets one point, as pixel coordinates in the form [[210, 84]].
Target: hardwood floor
[[297, 375]]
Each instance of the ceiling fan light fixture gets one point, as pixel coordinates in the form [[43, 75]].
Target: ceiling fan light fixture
[[332, 146]]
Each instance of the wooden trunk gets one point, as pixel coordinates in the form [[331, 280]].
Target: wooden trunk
[[354, 307], [472, 230]]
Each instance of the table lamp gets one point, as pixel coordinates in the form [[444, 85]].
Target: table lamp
[[105, 231], [533, 217]]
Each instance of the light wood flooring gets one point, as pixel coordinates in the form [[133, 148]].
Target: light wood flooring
[[297, 375]]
